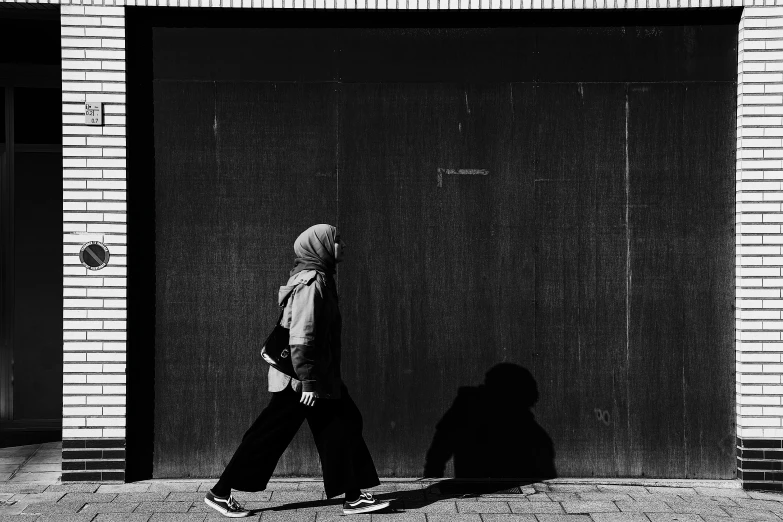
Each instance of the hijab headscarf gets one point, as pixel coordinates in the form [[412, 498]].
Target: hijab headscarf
[[314, 250]]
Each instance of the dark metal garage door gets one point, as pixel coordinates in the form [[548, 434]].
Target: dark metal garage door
[[560, 199]]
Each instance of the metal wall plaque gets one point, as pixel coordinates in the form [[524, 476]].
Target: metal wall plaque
[[93, 113], [94, 255]]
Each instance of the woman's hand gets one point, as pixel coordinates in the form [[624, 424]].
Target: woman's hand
[[308, 398]]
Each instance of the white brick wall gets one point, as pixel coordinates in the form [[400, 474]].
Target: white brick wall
[[94, 304], [759, 245]]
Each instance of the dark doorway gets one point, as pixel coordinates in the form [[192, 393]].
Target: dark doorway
[[30, 227], [558, 196]]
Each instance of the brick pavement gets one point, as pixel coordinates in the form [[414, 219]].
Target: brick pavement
[[412, 501]]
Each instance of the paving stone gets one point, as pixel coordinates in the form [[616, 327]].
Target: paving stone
[[539, 497], [564, 496], [651, 506], [16, 460], [383, 487], [164, 507], [770, 505], [122, 517], [53, 507], [441, 506], [454, 517], [180, 517], [535, 507], [396, 517], [622, 488], [671, 490], [714, 501], [173, 486], [46, 458], [606, 496], [201, 507], [291, 515], [47, 477], [690, 507], [14, 509], [713, 518], [586, 506], [88, 497], [20, 450], [647, 497], [494, 497], [65, 518], [503, 517], [123, 488], [322, 516], [110, 507], [756, 514], [46, 496], [313, 485], [482, 507], [722, 492], [563, 518], [572, 488], [620, 517], [765, 495], [9, 487], [676, 517], [84, 487], [409, 486], [151, 496], [40, 468], [296, 496], [281, 485]]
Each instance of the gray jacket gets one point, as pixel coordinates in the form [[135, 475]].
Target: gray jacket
[[313, 317]]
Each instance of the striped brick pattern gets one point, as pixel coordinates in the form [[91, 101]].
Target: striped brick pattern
[[94, 209], [759, 221], [93, 460], [759, 248]]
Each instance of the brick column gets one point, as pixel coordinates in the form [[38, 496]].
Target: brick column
[[94, 209], [760, 248]]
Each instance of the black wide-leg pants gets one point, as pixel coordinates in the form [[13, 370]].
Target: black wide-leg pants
[[336, 425]]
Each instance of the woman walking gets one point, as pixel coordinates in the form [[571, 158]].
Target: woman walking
[[317, 395]]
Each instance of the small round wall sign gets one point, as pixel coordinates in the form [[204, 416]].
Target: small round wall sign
[[94, 255]]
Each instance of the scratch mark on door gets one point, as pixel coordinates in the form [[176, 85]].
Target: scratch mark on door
[[460, 172]]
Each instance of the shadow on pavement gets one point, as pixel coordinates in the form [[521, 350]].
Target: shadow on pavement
[[423, 496]]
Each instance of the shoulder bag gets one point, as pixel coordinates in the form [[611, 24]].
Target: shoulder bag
[[276, 351]]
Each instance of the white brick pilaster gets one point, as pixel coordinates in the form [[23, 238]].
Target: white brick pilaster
[[94, 209]]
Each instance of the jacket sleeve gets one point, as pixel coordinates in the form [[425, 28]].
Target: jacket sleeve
[[306, 305]]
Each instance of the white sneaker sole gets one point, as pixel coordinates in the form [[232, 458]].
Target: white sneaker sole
[[223, 511], [366, 509]]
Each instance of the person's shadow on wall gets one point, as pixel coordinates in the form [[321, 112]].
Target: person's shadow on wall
[[491, 433]]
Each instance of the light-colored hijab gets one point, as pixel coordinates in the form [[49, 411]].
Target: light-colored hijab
[[314, 250]]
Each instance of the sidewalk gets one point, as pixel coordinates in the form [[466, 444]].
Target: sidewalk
[[30, 495]]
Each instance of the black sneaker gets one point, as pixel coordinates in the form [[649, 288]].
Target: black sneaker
[[364, 504], [228, 507]]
